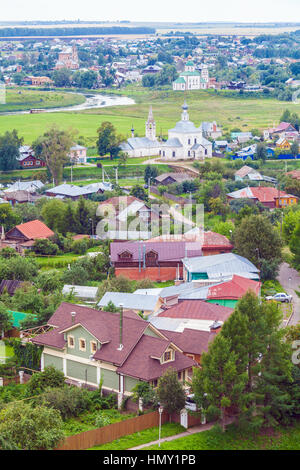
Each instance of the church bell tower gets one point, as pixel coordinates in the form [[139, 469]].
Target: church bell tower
[[151, 126]]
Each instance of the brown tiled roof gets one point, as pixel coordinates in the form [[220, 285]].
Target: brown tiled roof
[[136, 357], [197, 310], [141, 364], [191, 341]]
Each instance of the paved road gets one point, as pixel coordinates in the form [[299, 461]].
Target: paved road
[[289, 278]]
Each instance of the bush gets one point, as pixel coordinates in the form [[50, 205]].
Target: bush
[[49, 378], [69, 401], [26, 428], [102, 420]]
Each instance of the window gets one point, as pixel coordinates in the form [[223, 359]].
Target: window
[[173, 154], [93, 347], [71, 343], [168, 356], [82, 344]]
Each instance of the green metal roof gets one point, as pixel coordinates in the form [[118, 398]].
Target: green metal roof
[[19, 316], [180, 80], [195, 74], [190, 63]]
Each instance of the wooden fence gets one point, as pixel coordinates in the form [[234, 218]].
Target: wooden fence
[[96, 437]]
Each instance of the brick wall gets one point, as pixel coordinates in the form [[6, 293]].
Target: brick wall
[[153, 273]]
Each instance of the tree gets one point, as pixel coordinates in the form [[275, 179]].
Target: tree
[[54, 147], [295, 149], [150, 173], [145, 392], [82, 216], [8, 217], [256, 239], [139, 192], [170, 392], [28, 428], [261, 152], [6, 321], [217, 385], [108, 141], [9, 150], [53, 214], [62, 77], [295, 245]]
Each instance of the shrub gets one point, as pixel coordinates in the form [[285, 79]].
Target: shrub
[[26, 428], [102, 420], [69, 401], [49, 378]]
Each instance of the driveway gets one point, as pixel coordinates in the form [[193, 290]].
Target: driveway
[[289, 278]]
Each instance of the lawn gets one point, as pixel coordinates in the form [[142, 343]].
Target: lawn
[[280, 439], [143, 437], [244, 113], [22, 99], [60, 261]]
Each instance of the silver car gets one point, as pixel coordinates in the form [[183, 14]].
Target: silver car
[[280, 297]]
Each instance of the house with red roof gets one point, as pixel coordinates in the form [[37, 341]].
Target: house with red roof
[[268, 196], [122, 349], [22, 236], [226, 293]]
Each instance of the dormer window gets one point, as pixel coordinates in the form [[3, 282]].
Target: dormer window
[[169, 355], [125, 255]]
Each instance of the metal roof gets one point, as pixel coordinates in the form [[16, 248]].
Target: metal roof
[[223, 264], [129, 301], [84, 292]]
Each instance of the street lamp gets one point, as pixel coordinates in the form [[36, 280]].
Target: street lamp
[[160, 410], [91, 220]]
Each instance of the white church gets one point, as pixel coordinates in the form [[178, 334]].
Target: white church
[[192, 79], [185, 141]]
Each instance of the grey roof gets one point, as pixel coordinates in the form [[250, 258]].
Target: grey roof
[[139, 142], [129, 301], [199, 293], [74, 191], [172, 142], [83, 292], [185, 127], [30, 186], [176, 290], [223, 264]]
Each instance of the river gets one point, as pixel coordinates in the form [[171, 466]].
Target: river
[[92, 101]]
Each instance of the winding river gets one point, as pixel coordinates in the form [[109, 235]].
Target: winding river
[[91, 101]]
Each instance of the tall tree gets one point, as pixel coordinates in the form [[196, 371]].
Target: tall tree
[[54, 148], [108, 141], [217, 385], [10, 143], [5, 319], [256, 239]]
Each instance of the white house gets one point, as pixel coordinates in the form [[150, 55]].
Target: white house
[[192, 79]]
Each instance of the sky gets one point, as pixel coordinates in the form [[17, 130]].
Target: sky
[[153, 10]]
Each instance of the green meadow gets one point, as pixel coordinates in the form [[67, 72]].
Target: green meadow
[[21, 99], [230, 112]]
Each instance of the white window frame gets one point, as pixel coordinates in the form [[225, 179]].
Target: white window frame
[[69, 344], [80, 347]]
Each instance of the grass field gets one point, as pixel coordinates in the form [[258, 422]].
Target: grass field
[[281, 439], [22, 99], [246, 114]]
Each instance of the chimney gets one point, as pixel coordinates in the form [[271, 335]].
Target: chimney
[[73, 315], [121, 328], [132, 131]]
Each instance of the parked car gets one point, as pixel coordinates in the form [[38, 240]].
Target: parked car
[[190, 403], [280, 297]]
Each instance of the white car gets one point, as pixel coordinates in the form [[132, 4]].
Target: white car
[[280, 297], [190, 403]]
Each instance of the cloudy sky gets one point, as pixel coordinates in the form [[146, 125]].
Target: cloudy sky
[[153, 10]]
